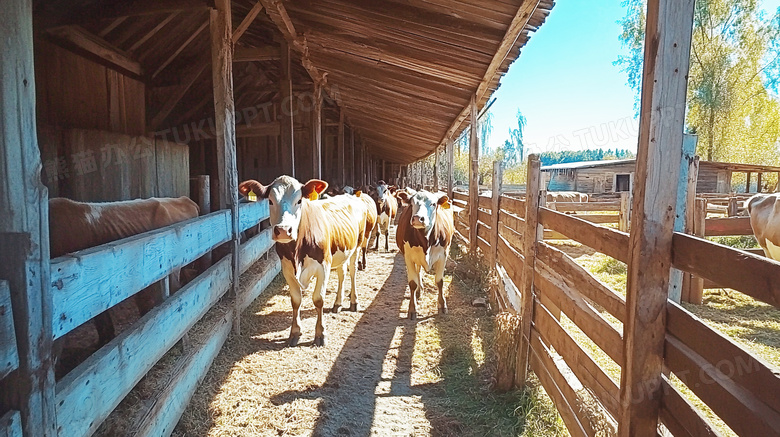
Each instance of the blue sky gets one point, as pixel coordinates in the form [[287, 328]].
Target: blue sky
[[565, 85]]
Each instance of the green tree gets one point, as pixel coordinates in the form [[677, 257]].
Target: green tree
[[513, 147], [734, 75]]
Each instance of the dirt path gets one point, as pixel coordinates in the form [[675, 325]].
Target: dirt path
[[368, 380]]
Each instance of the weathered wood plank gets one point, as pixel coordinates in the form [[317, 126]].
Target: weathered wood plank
[[256, 247], [514, 238], [79, 38], [581, 280], [513, 206], [252, 213], [602, 239], [464, 197], [247, 21], [168, 405], [581, 364], [530, 238], [473, 175], [682, 418], [752, 373], [88, 394], [599, 218], [716, 227], [9, 357], [739, 408], [751, 274], [86, 283], [260, 286], [585, 206], [484, 217], [598, 329], [11, 424]]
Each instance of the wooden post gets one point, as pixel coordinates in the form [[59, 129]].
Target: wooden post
[[352, 163], [384, 170], [24, 228], [688, 173], [733, 208], [450, 168], [530, 238], [747, 183], [696, 292], [341, 158], [473, 177], [222, 79], [690, 212], [759, 176], [498, 175], [436, 170], [316, 132], [664, 83], [362, 166], [287, 136], [625, 210], [204, 204]]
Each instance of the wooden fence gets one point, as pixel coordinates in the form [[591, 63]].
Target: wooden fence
[[542, 284], [87, 283]]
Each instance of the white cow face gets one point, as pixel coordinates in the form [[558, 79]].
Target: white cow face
[[285, 199], [424, 205]]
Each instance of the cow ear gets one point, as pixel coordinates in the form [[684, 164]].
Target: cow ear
[[314, 188], [444, 202], [403, 196], [252, 190], [393, 189]]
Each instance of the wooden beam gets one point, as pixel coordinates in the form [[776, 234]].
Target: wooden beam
[[106, 9], [24, 228], [272, 128], [153, 31], [664, 82], [178, 51], [473, 176], [180, 91], [287, 135], [316, 132], [450, 168], [75, 37], [248, 20], [225, 118], [341, 158], [251, 54], [519, 22]]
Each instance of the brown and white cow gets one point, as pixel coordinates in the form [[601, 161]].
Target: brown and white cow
[[371, 224], [75, 226], [566, 196], [386, 207], [764, 212], [424, 235], [312, 237]]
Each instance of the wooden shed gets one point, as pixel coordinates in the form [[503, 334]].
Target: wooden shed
[[612, 176]]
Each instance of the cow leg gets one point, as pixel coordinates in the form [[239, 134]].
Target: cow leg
[[353, 305], [377, 233], [440, 285], [413, 274], [387, 237], [340, 289], [317, 297], [295, 300], [362, 263]]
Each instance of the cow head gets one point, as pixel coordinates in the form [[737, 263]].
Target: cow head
[[285, 199], [424, 205]]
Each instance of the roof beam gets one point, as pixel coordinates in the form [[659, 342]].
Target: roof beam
[[178, 94], [79, 39], [523, 15], [152, 32], [107, 9], [251, 54], [180, 49], [250, 17]]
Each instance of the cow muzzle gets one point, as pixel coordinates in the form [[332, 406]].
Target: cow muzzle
[[418, 222], [282, 234]]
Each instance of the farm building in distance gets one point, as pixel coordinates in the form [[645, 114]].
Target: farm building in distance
[[614, 176]]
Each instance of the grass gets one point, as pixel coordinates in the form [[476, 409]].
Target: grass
[[457, 355]]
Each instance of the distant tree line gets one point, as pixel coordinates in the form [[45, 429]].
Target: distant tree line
[[550, 158]]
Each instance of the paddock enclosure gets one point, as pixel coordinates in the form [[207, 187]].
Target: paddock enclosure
[[107, 101]]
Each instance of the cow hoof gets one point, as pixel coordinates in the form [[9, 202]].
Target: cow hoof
[[336, 309], [442, 310], [361, 266], [354, 307], [418, 293], [412, 316], [293, 341], [319, 341]]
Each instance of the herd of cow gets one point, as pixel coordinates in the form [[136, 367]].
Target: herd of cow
[[316, 233]]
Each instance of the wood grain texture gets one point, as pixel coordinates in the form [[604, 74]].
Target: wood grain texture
[[473, 176], [602, 239], [681, 417], [9, 357], [252, 213], [89, 282], [256, 247], [530, 238], [88, 394], [11, 424], [261, 285], [723, 226]]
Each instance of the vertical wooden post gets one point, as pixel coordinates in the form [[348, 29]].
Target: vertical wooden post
[[473, 177], [747, 182], [688, 166], [530, 238], [733, 208], [204, 204], [287, 135], [24, 227], [625, 211], [384, 170], [450, 168], [664, 83], [498, 175], [316, 132], [759, 176], [222, 79], [436, 170], [341, 158], [362, 165], [696, 292], [690, 212], [352, 163]]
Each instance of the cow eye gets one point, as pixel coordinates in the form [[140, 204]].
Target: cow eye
[[270, 202], [300, 200]]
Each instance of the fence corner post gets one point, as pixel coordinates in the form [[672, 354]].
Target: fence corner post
[[498, 175], [625, 211]]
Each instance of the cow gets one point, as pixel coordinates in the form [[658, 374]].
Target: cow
[[764, 212], [566, 196], [312, 237], [386, 207], [371, 224], [424, 235], [75, 226]]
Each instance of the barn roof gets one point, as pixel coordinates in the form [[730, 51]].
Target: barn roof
[[403, 71], [614, 162]]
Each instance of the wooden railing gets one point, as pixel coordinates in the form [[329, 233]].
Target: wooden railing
[[740, 388], [87, 283]]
